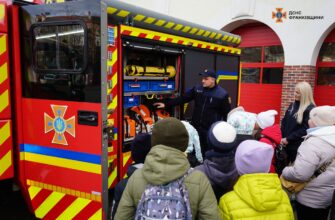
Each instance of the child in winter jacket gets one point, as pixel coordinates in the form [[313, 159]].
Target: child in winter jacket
[[140, 147], [165, 163], [193, 150], [257, 193], [269, 133], [219, 165]]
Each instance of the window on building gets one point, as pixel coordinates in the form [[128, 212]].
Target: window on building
[[326, 76], [327, 52], [262, 64], [272, 76], [326, 64], [250, 75], [251, 54], [273, 54]]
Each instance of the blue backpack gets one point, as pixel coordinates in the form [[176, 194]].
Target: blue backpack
[[170, 201]]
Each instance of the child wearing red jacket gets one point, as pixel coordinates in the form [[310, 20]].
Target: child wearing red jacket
[[270, 133]]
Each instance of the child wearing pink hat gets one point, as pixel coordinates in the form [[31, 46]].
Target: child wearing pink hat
[[257, 193]]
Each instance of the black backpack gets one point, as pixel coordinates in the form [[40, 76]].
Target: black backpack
[[281, 159]]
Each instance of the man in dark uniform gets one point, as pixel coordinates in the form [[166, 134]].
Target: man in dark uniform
[[211, 104]]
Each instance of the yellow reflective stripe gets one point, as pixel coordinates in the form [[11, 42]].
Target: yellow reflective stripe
[[224, 37], [113, 104], [5, 162], [78, 205], [149, 36], [63, 190], [33, 191], [61, 162], [3, 44], [149, 20], [185, 107], [212, 35], [111, 10], [110, 122], [123, 13], [112, 177], [230, 38], [160, 22], [178, 27], [175, 39], [186, 29], [126, 157], [114, 80], [239, 40], [200, 32], [223, 77], [169, 25], [193, 30], [3, 73], [218, 36], [206, 33], [114, 57], [139, 17], [96, 216], [48, 204], [163, 38], [21, 155], [2, 11], [4, 132]]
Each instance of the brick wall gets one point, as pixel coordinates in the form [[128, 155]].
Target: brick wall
[[293, 75]]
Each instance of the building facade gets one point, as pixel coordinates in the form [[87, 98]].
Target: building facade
[[283, 42]]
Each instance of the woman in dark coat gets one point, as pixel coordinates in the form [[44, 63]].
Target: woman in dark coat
[[295, 122]]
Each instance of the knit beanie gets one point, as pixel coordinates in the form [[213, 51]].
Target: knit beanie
[[243, 122], [237, 109], [266, 119], [323, 115], [221, 137], [140, 147], [170, 132], [253, 157]]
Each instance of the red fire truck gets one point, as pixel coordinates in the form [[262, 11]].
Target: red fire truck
[[77, 83]]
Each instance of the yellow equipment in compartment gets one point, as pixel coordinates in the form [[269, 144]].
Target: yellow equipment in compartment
[[133, 70]]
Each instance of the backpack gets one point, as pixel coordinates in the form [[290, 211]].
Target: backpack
[[170, 201], [281, 160]]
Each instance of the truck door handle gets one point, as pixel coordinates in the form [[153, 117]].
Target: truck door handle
[[88, 118]]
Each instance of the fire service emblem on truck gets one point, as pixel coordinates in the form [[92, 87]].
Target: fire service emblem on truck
[[59, 125]]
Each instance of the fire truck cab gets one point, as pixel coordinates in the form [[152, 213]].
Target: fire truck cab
[[77, 84]]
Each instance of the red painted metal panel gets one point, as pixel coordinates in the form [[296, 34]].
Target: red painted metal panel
[[6, 151], [324, 95], [257, 35], [3, 17], [58, 209], [5, 106], [260, 97], [88, 211], [87, 139], [331, 36], [66, 178]]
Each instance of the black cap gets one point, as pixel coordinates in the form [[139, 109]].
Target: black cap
[[208, 73]]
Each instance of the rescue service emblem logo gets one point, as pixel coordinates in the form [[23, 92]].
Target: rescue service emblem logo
[[59, 125], [279, 15]]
